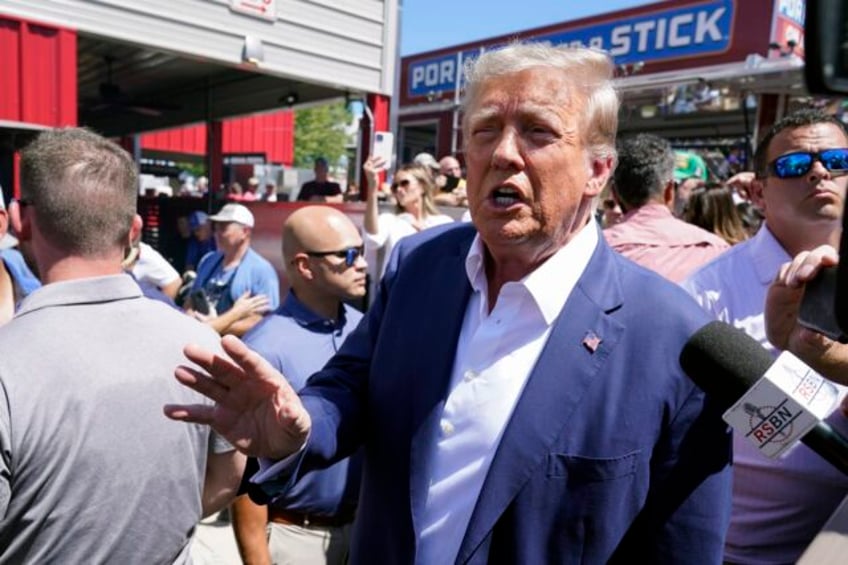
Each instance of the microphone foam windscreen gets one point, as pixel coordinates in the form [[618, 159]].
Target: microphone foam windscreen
[[724, 361]]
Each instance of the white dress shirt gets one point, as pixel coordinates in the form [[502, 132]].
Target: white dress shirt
[[494, 358]]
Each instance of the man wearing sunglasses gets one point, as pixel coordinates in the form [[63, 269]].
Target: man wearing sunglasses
[[310, 523], [800, 184]]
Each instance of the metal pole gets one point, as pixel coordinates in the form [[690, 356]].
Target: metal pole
[[457, 86], [394, 104]]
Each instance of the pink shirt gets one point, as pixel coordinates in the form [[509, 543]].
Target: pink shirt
[[654, 238]]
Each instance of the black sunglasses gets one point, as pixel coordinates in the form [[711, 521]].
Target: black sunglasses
[[794, 165], [349, 255], [404, 183]]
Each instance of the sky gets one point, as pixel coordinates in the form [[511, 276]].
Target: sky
[[432, 24]]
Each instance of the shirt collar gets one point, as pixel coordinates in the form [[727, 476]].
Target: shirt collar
[[565, 267], [300, 313], [81, 291], [767, 254], [649, 210]]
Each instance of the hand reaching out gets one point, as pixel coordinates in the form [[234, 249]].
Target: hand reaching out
[[256, 409], [372, 167], [783, 303]]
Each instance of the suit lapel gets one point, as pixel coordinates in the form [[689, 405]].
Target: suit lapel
[[439, 328], [566, 368]]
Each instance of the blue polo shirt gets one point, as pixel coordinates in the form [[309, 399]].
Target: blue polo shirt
[[298, 343], [223, 287], [22, 277]]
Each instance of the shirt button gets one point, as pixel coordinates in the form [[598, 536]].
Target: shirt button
[[469, 375], [447, 427]]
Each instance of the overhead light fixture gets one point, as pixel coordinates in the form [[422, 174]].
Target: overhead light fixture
[[290, 99], [253, 51]]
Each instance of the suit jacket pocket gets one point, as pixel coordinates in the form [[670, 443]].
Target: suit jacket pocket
[[581, 469]]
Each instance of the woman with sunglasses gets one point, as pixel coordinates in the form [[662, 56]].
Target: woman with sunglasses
[[412, 189]]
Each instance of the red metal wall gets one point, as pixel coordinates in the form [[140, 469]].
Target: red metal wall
[[38, 81], [271, 134]]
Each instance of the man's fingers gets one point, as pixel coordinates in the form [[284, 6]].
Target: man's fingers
[[253, 365], [195, 413], [201, 383], [222, 370], [807, 264]]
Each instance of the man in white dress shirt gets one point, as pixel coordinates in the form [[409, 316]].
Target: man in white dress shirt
[[515, 387]]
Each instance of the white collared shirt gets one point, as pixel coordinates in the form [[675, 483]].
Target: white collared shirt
[[494, 358]]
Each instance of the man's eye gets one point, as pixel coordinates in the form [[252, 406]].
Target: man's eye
[[483, 130]]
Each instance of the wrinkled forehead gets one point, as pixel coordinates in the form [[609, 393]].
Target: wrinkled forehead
[[535, 89]]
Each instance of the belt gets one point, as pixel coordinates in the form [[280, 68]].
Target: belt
[[295, 518]]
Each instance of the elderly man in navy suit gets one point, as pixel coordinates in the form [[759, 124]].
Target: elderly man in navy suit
[[533, 410]]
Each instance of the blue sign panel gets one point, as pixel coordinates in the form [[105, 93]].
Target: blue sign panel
[[438, 74], [699, 29]]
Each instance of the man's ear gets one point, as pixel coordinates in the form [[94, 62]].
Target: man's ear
[[756, 189], [600, 170], [21, 225], [301, 266], [669, 193], [135, 230]]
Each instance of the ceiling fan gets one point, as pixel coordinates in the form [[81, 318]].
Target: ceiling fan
[[112, 98]]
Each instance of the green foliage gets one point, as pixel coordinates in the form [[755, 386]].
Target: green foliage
[[320, 132]]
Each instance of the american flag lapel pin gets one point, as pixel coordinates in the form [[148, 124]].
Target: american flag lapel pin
[[591, 341]]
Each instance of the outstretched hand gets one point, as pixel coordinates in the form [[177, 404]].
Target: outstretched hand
[[783, 303], [255, 409]]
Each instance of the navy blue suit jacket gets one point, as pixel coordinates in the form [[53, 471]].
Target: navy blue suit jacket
[[610, 455]]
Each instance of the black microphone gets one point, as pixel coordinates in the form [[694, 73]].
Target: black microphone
[[725, 362]]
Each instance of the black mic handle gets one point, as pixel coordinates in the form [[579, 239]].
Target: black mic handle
[[828, 444]]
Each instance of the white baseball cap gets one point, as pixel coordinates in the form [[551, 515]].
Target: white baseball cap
[[234, 213]]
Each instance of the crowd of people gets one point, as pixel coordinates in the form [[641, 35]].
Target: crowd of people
[[511, 394]]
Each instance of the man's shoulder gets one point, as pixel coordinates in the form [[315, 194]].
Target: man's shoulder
[[271, 328], [253, 259], [634, 279], [723, 269]]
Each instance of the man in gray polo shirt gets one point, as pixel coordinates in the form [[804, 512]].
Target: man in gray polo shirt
[[91, 471]]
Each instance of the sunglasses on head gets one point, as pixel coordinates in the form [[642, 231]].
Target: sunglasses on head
[[349, 255], [794, 165], [404, 183]]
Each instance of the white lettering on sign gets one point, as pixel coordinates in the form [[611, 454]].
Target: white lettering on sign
[[262, 9], [432, 74], [675, 39], [678, 31], [709, 26]]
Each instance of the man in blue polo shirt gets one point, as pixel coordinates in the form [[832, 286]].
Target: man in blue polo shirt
[[16, 279], [235, 277], [310, 523]]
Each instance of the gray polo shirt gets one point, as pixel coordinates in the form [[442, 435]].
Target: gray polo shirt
[[91, 471]]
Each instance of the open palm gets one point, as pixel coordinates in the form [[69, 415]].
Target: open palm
[[255, 408]]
